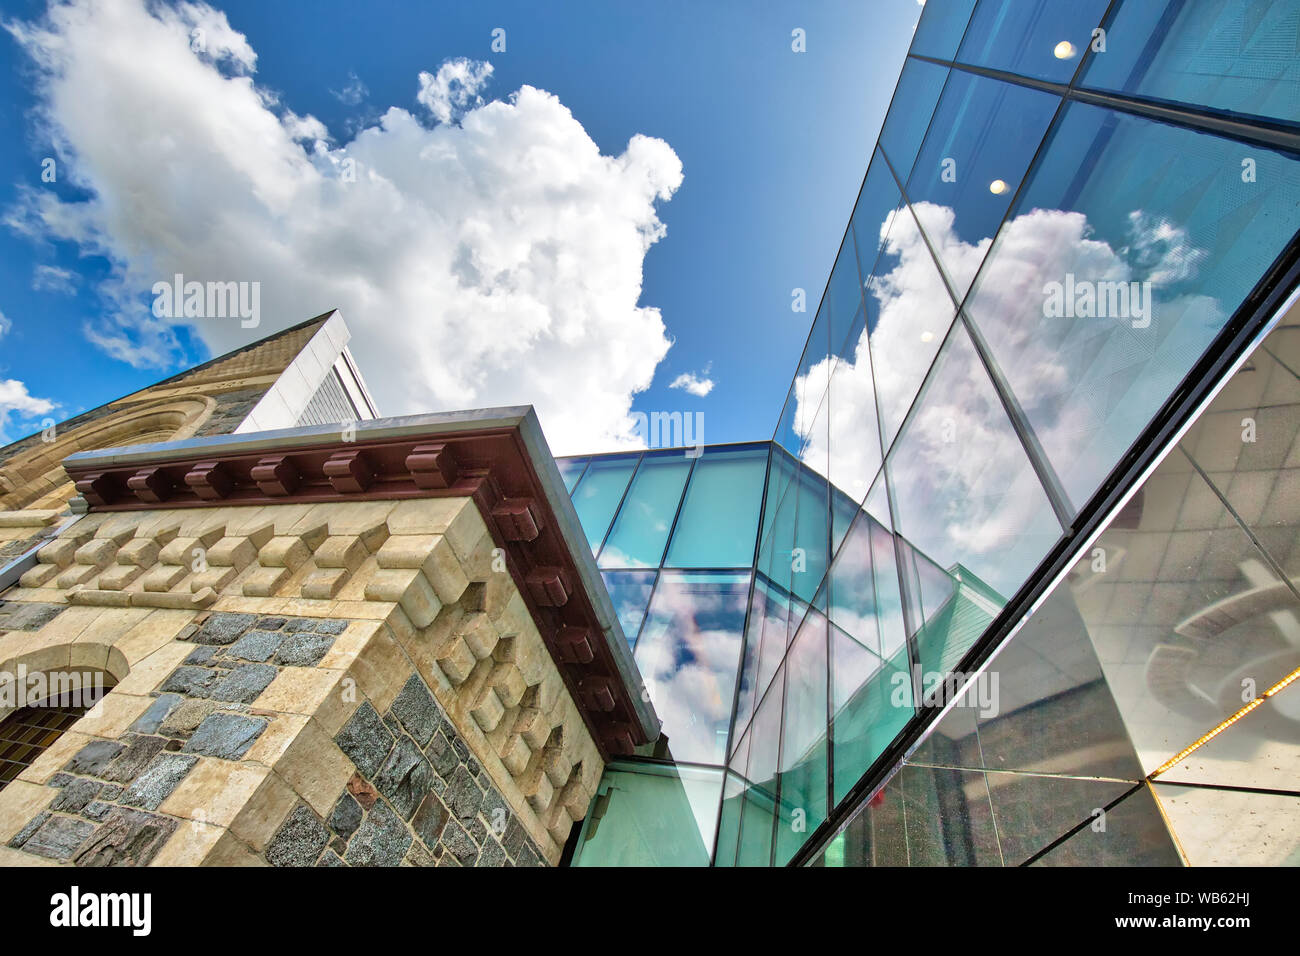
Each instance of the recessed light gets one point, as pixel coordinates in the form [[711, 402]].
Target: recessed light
[[927, 336], [997, 187], [1064, 50]]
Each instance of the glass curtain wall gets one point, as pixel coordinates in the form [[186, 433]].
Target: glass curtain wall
[[675, 535], [1056, 224], [1154, 691], [1067, 204]]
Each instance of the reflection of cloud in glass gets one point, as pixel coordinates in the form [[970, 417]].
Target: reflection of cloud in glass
[[1090, 384], [764, 650], [1076, 378], [864, 598], [687, 654], [630, 592]]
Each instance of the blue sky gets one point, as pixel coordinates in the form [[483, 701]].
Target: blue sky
[[772, 146]]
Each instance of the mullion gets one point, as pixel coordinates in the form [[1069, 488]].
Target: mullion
[[1258, 130]]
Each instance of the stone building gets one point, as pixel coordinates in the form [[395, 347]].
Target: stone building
[[368, 642]]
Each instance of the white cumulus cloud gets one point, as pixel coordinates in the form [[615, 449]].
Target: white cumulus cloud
[[496, 260], [16, 400], [697, 384], [454, 87]]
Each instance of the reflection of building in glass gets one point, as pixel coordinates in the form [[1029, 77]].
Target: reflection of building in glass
[[1077, 219]]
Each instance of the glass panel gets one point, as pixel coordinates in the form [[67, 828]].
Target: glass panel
[[598, 493], [865, 600], [1034, 810], [778, 519], [571, 470], [871, 700], [877, 503], [918, 90], [1190, 624], [854, 432], [651, 816], [923, 817], [733, 801], [738, 762], [1044, 705], [909, 311], [876, 835], [1247, 443], [876, 204], [688, 654], [719, 518], [942, 24], [811, 553], [1233, 55], [1040, 40], [890, 620], [1232, 828], [785, 435], [984, 134], [630, 592], [844, 294], [1261, 750], [1112, 278], [955, 622], [965, 495], [953, 741], [765, 644], [949, 818], [815, 448], [641, 529], [803, 771], [1135, 835], [809, 385], [759, 810], [843, 510], [929, 587]]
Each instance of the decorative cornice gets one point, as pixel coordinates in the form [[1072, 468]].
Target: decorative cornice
[[485, 458]]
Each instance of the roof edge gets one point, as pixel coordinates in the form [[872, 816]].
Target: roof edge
[[497, 456]]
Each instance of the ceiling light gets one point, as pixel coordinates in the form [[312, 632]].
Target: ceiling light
[[1064, 50], [997, 187]]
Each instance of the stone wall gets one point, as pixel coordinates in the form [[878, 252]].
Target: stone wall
[[20, 531], [212, 399], [344, 683]]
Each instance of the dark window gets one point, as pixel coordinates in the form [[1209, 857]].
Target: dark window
[[29, 731]]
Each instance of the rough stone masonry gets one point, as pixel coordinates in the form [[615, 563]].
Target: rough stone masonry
[[343, 683]]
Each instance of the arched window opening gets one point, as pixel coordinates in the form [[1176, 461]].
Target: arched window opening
[[27, 732]]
